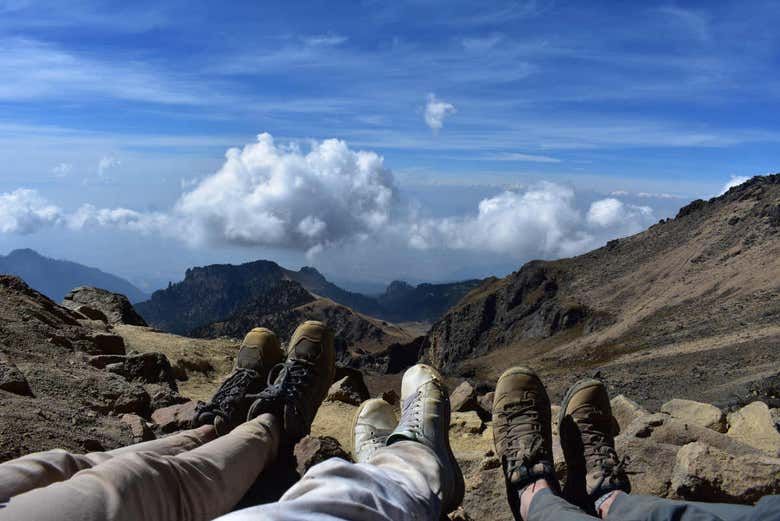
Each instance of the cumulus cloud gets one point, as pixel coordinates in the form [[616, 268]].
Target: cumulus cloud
[[735, 180], [106, 163], [62, 170], [24, 211], [542, 221], [266, 194], [436, 111]]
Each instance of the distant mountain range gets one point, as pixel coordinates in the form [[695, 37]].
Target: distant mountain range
[[55, 278]]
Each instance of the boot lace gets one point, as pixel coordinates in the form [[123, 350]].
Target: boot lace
[[411, 416], [524, 440], [225, 401], [598, 451]]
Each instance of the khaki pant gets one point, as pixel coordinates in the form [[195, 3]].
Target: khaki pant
[[192, 476], [188, 476]]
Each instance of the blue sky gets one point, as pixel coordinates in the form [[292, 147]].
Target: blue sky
[[131, 106]]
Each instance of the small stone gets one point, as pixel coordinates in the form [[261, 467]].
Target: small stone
[[390, 397], [555, 411], [459, 515], [175, 417], [486, 402], [625, 411], [139, 428], [754, 425], [697, 413], [12, 379], [312, 450], [490, 462], [465, 423], [351, 389], [463, 398]]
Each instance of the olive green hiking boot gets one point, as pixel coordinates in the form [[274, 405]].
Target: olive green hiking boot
[[259, 352], [374, 422], [302, 382], [586, 428], [425, 418], [522, 432]]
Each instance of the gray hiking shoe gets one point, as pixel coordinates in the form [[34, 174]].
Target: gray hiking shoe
[[374, 422], [302, 382], [259, 352], [586, 428], [425, 418], [522, 432]]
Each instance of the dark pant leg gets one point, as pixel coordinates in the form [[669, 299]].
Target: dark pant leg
[[632, 507], [546, 506]]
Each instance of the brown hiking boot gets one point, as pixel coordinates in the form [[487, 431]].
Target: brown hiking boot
[[259, 352], [522, 432], [586, 430], [425, 418], [302, 382], [374, 422]]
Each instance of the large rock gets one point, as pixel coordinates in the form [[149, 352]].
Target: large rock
[[12, 379], [626, 411], [175, 417], [312, 450], [149, 368], [651, 464], [349, 389], [116, 308], [754, 425], [106, 344], [697, 413], [463, 398], [138, 426], [704, 473], [486, 402]]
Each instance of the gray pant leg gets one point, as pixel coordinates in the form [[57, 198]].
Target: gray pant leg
[[632, 507], [546, 506]]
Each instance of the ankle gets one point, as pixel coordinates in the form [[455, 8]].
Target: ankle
[[527, 495], [605, 502]]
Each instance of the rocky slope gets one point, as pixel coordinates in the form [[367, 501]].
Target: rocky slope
[[402, 302], [689, 307], [55, 278]]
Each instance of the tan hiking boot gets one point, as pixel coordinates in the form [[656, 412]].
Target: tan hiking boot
[[302, 382], [522, 432], [586, 430], [259, 352], [374, 422], [425, 418]]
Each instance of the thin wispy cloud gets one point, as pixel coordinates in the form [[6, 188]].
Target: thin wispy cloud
[[326, 40], [62, 170], [106, 164], [527, 158]]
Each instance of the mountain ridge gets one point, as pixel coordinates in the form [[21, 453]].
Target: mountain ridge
[[55, 278]]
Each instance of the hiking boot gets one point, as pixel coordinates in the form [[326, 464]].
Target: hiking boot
[[425, 418], [373, 423], [522, 432], [295, 393], [587, 431], [259, 352]]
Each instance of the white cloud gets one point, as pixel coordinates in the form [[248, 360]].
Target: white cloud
[[436, 111], [106, 163], [735, 180], [325, 40], [530, 158], [481, 44], [615, 214], [24, 211], [271, 195], [62, 170], [123, 219]]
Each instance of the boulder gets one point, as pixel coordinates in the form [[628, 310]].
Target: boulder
[[697, 413], [133, 399], [704, 473], [149, 368], [465, 423], [463, 398], [101, 361], [92, 313], [625, 411], [12, 379], [175, 417], [138, 426], [754, 425], [350, 389], [486, 402], [312, 450], [651, 464], [115, 308], [163, 396], [390, 397]]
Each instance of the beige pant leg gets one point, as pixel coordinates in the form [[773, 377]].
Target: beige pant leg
[[196, 485], [44, 468]]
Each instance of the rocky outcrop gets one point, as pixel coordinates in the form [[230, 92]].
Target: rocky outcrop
[[697, 413], [115, 308]]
